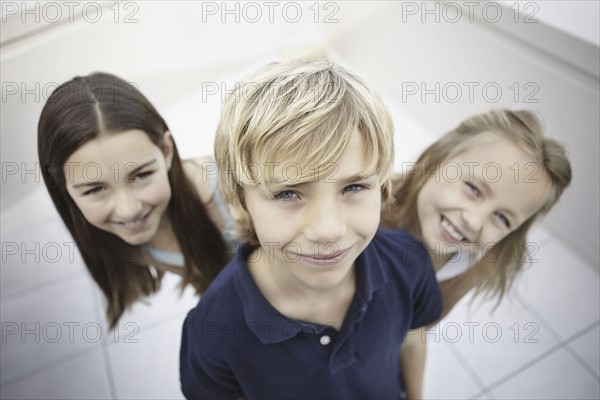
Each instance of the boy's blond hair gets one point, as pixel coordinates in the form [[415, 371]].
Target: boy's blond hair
[[298, 115]]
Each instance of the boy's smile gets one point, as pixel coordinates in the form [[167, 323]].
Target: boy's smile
[[324, 258], [312, 233]]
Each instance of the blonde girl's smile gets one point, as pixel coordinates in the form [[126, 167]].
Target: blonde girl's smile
[[480, 208], [450, 232]]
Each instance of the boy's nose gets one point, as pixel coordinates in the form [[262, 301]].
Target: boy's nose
[[127, 206], [325, 226]]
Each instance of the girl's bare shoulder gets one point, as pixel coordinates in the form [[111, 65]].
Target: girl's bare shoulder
[[202, 173]]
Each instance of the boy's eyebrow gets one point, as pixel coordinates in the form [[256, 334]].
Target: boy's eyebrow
[[351, 179], [344, 181], [135, 170]]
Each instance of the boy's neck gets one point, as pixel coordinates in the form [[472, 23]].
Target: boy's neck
[[294, 299]]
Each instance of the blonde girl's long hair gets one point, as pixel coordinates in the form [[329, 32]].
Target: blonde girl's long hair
[[522, 128]]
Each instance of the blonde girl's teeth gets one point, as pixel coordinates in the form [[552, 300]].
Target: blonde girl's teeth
[[451, 230]]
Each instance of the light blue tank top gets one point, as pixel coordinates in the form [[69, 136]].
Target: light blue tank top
[[175, 258]]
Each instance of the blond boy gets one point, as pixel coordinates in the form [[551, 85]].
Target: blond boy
[[318, 301]]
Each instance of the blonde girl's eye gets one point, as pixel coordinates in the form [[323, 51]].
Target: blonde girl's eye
[[502, 218], [473, 189], [285, 195]]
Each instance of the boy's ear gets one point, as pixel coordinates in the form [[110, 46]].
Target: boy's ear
[[168, 148]]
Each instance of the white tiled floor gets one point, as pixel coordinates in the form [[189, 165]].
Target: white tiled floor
[[541, 342]]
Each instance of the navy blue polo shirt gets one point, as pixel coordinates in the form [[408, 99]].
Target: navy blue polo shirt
[[236, 344]]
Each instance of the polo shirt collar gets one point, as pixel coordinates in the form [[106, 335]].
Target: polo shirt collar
[[269, 325]]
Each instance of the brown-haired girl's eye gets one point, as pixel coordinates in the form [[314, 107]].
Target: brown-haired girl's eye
[[93, 190]]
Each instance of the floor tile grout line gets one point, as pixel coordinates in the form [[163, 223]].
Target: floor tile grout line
[[560, 345], [520, 369], [104, 345], [558, 338], [549, 239], [44, 285], [82, 353], [467, 367], [582, 332], [569, 341], [36, 371], [582, 362], [150, 326], [529, 308]]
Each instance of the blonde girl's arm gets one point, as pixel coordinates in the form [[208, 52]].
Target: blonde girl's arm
[[414, 349], [413, 353], [456, 288]]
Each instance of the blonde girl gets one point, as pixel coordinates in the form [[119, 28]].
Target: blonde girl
[[471, 198]]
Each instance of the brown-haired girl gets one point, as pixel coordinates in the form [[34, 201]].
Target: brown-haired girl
[[133, 207]]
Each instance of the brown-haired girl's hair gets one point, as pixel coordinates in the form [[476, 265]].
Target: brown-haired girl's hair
[[98, 104], [522, 128]]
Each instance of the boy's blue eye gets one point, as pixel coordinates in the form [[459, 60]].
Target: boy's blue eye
[[503, 219], [473, 189], [285, 195], [354, 188]]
